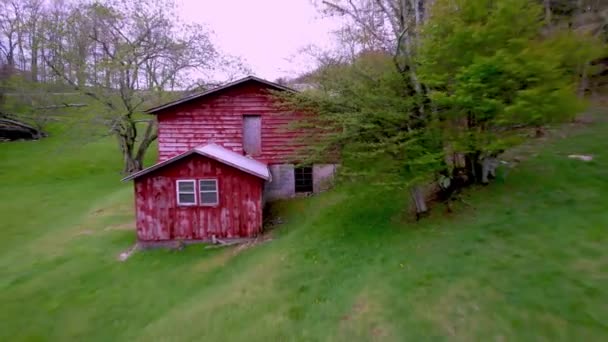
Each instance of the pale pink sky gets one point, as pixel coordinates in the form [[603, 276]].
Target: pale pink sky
[[265, 33]]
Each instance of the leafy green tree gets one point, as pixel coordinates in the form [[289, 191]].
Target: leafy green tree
[[490, 73], [362, 114], [488, 69]]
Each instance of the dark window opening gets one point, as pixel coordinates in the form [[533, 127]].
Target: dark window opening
[[303, 178]]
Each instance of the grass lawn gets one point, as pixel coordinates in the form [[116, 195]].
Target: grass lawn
[[524, 259]]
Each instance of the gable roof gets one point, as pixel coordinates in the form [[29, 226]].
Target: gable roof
[[218, 153], [189, 98]]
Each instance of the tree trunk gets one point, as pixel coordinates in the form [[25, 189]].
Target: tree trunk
[[488, 169], [419, 201], [584, 80], [547, 11], [34, 42], [34, 64], [474, 168], [149, 136], [539, 131], [134, 161], [132, 165], [410, 47]]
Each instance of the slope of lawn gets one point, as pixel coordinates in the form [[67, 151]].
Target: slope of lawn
[[522, 259]]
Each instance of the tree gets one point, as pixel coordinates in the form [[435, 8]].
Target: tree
[[581, 16], [486, 70], [9, 26], [391, 26], [490, 71], [387, 25], [361, 113], [124, 55]]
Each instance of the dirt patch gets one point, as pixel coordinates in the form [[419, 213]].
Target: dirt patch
[[363, 321], [591, 267], [257, 241], [459, 312], [121, 226], [529, 148], [98, 212], [229, 252], [214, 262], [127, 226], [113, 217], [360, 308], [113, 210]]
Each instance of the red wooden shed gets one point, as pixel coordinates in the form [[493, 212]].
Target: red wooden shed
[[206, 192]]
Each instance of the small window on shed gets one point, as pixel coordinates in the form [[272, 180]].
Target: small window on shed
[[186, 192], [303, 178], [208, 191]]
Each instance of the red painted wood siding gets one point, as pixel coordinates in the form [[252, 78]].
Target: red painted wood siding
[[218, 118], [159, 217]]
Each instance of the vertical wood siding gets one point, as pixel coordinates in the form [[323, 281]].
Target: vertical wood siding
[[218, 118], [159, 217]]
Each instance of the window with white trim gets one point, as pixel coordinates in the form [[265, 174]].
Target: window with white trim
[[208, 192], [186, 192]]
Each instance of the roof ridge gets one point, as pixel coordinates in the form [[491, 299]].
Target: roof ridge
[[257, 169], [156, 109]]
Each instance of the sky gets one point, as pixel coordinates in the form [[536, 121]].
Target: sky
[[266, 34]]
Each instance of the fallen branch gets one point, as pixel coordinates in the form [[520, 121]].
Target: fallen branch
[[64, 105], [218, 243], [126, 254]]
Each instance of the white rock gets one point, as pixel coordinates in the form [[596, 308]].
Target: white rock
[[581, 157]]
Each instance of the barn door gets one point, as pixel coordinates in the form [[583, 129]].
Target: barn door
[[252, 134]]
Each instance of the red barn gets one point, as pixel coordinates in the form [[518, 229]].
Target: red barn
[[222, 154]]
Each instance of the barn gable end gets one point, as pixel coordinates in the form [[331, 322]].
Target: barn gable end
[[219, 117]]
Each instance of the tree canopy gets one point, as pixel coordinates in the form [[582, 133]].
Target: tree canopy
[[456, 84]]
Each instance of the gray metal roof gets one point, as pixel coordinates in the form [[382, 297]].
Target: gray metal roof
[[277, 86], [215, 152]]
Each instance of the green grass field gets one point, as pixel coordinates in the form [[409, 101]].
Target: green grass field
[[523, 259]]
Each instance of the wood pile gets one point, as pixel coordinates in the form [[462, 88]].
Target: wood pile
[[11, 128]]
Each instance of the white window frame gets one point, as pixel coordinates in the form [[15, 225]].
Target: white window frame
[[177, 192], [216, 191]]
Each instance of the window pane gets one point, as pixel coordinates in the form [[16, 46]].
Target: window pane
[[186, 198], [208, 185], [303, 179], [186, 186], [209, 197]]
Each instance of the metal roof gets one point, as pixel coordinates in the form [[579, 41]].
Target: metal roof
[[157, 109], [218, 153]]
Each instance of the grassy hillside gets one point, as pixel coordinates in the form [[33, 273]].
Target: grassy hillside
[[524, 259]]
